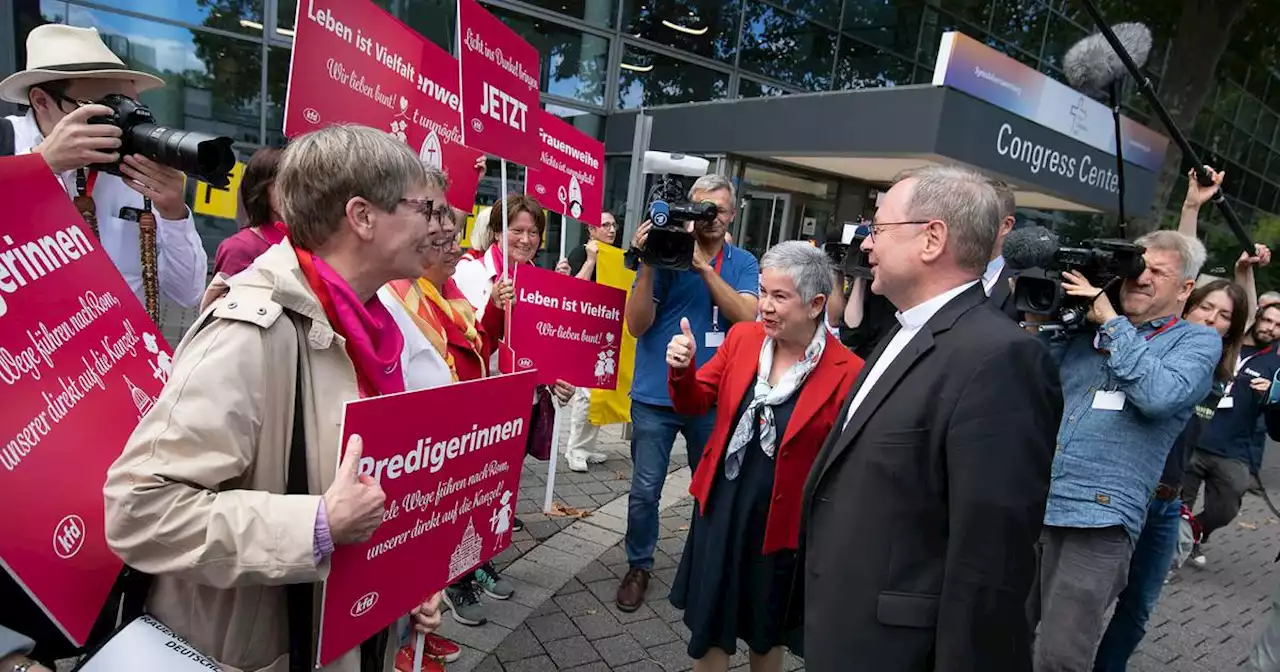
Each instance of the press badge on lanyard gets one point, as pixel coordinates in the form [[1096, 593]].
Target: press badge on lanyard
[[1113, 400], [1227, 401], [715, 337]]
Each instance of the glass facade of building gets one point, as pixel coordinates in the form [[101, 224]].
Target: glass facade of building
[[226, 63]]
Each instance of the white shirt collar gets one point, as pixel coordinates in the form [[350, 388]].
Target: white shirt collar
[[916, 317], [26, 133]]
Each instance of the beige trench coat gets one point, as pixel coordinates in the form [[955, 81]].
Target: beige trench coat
[[196, 497]]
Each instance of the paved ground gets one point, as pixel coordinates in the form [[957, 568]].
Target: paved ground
[[1206, 621]]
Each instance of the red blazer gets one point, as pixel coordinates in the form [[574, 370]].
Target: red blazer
[[723, 382]]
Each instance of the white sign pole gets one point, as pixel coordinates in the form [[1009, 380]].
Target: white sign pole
[[419, 645], [555, 457], [502, 205], [564, 225]]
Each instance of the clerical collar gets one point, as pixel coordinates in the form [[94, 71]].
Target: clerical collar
[[917, 316]]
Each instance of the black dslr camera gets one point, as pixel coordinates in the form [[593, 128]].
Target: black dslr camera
[[1104, 263], [849, 257], [205, 157]]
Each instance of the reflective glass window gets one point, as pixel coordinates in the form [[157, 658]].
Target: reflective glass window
[[277, 84], [237, 16], [1266, 126], [573, 63], [1059, 38], [1247, 119], [826, 12], [976, 13], [287, 10], [589, 123], [935, 25], [1021, 24], [863, 66], [704, 27], [749, 88], [433, 19], [648, 79], [893, 24], [1258, 154], [212, 82], [597, 12], [786, 47]]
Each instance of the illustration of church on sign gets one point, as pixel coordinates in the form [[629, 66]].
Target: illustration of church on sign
[[467, 554]]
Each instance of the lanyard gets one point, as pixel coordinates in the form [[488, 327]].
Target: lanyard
[[1241, 361], [1163, 329], [715, 310]]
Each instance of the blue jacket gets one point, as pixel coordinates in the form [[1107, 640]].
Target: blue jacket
[[1238, 432], [1107, 463]]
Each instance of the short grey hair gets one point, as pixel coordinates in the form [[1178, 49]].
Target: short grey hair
[[1273, 297], [436, 178], [805, 264], [966, 201], [713, 182], [324, 169], [1190, 250]]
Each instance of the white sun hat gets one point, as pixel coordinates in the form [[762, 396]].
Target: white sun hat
[[57, 52]]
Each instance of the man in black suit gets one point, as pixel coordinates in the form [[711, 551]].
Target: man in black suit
[[997, 278], [924, 505]]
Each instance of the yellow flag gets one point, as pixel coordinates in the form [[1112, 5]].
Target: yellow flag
[[609, 407]]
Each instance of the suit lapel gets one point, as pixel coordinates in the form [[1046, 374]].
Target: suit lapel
[[819, 463]]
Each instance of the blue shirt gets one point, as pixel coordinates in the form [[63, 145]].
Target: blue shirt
[[1107, 463], [684, 294]]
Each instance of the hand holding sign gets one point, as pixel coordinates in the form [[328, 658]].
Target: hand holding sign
[[354, 502], [426, 617], [682, 348]]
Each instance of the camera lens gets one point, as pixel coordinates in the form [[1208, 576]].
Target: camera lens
[[200, 155]]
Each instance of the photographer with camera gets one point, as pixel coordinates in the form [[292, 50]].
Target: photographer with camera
[[67, 69], [719, 290], [1129, 384]]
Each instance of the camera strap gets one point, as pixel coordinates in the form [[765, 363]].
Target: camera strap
[[85, 181]]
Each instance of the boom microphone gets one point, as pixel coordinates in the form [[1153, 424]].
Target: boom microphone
[[1029, 247], [1091, 65]]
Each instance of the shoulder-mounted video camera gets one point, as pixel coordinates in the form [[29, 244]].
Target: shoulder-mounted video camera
[[670, 244], [1035, 252]]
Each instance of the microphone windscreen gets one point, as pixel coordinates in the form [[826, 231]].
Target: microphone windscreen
[[1029, 247], [1091, 64]]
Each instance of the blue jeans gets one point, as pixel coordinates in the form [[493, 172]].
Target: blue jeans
[[1152, 559], [653, 431]]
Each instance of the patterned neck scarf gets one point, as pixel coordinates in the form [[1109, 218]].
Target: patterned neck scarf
[[766, 397], [374, 342], [434, 311]]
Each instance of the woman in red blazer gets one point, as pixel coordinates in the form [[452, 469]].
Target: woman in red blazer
[[778, 385]]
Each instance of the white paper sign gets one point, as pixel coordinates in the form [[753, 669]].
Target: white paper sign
[[146, 645]]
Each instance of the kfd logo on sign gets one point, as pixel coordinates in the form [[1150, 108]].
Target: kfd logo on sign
[[364, 604], [68, 537]]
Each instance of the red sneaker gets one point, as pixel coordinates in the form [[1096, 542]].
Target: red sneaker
[[404, 661]]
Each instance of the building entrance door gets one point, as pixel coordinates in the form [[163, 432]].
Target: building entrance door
[[764, 220]]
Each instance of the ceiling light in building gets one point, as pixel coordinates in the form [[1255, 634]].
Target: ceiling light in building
[[246, 23], [288, 32], [685, 29], [635, 68]]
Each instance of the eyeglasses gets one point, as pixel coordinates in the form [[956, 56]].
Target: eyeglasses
[[876, 227], [428, 208], [63, 98]]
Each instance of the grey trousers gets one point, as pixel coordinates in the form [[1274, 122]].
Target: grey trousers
[[1080, 573], [1265, 656], [1225, 482]]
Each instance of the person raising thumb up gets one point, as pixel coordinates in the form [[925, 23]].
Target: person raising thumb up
[[681, 350], [354, 502]]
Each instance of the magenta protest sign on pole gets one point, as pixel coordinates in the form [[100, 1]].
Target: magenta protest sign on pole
[[569, 175], [354, 63], [499, 73], [80, 364], [449, 461], [568, 329]]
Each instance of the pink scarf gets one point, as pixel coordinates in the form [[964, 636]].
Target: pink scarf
[[374, 342], [274, 233]]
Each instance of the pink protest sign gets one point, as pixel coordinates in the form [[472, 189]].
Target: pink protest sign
[[568, 329], [569, 176], [449, 462], [80, 364], [354, 63], [499, 74]]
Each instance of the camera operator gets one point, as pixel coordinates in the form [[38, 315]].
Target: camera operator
[[718, 291], [1129, 386], [996, 279], [67, 68]]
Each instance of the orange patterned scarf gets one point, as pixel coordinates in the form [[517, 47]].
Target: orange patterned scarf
[[419, 297]]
